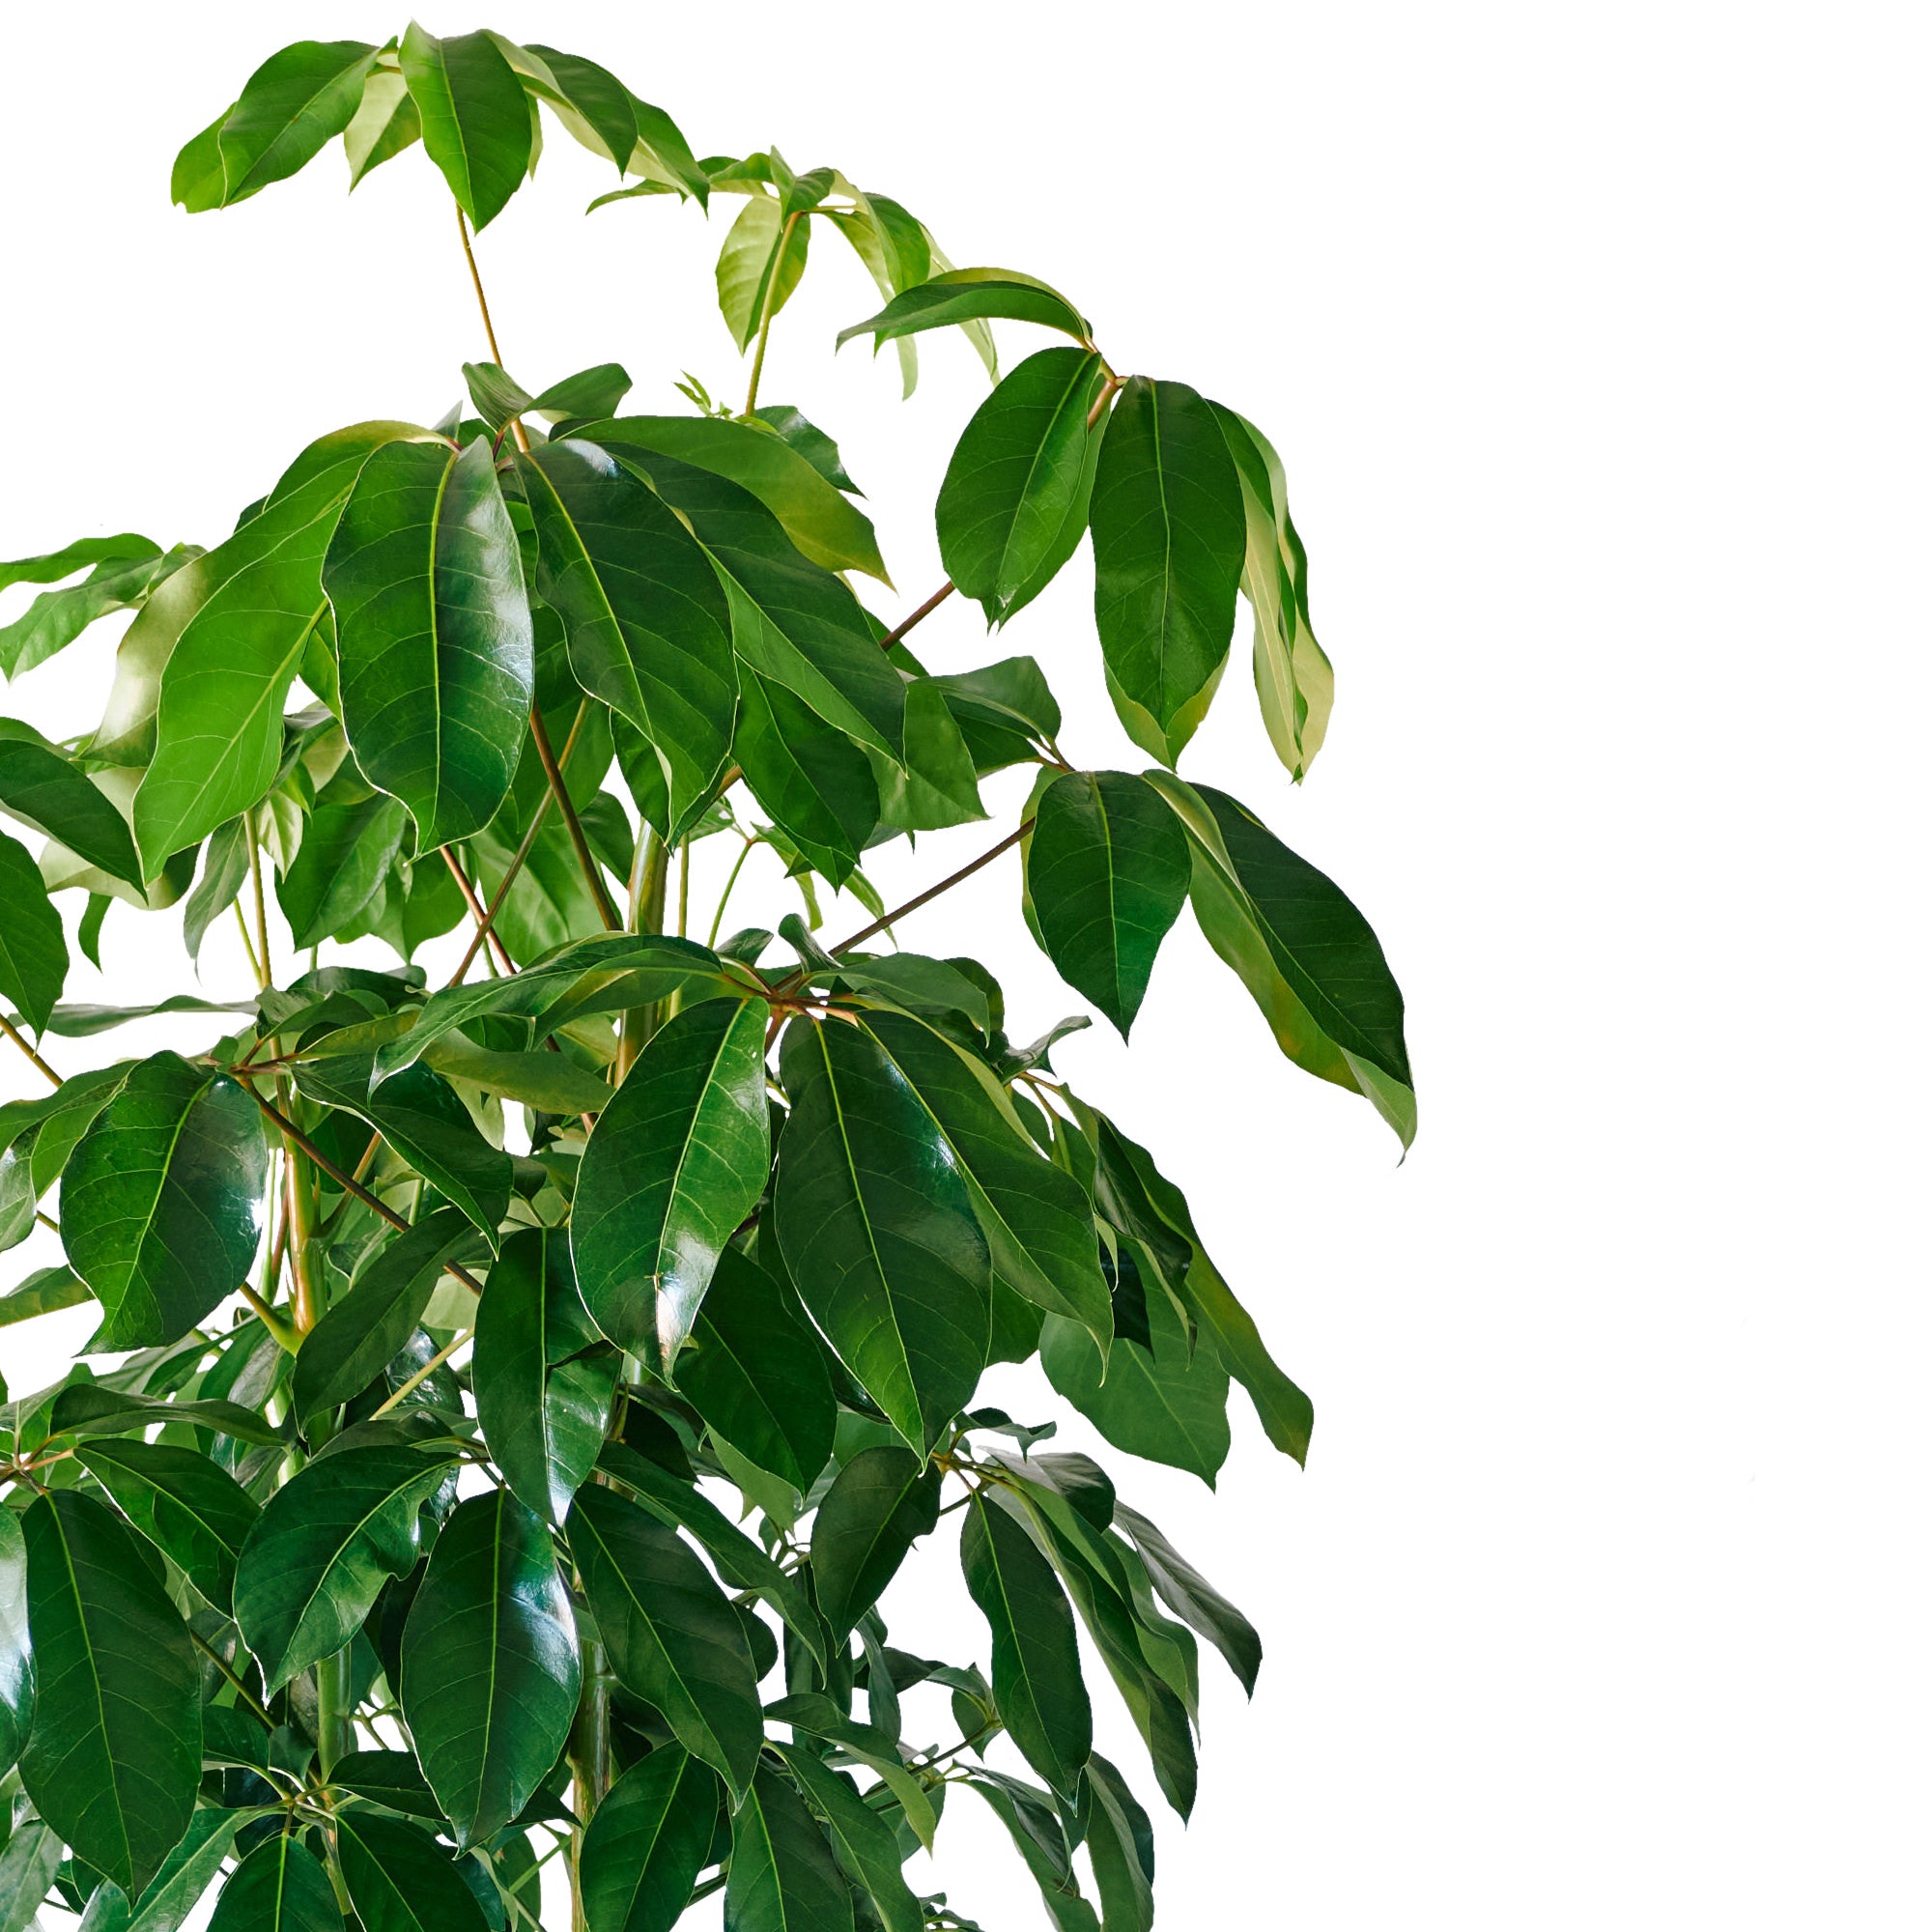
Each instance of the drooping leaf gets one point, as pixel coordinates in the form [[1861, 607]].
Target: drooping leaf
[[877, 1230], [1193, 1599], [348, 852], [32, 948], [185, 1504], [115, 1755], [1016, 475], [670, 1633], [596, 391], [865, 1847], [1107, 869], [969, 295], [162, 1203], [279, 1886], [647, 1842], [186, 1872], [400, 1880], [328, 1538], [879, 1505], [781, 1877], [816, 1715], [388, 1777], [679, 1158], [55, 618], [476, 120], [760, 265], [92, 1408], [936, 784], [17, 1647], [489, 1666], [816, 786], [432, 633], [1120, 1840], [1169, 538], [792, 426], [40, 784], [224, 870], [1309, 959], [385, 126]]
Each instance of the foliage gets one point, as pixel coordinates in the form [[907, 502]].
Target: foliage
[[306, 1588]]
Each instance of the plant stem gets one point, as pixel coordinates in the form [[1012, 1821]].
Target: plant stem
[[589, 1754], [765, 311], [554, 772], [488, 327], [248, 944], [476, 911], [333, 1708], [19, 1039], [428, 1368], [1106, 395], [647, 904], [683, 885], [945, 885], [724, 897], [261, 962], [925, 611], [300, 1221]]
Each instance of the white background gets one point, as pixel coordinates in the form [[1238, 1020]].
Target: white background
[[1593, 339]]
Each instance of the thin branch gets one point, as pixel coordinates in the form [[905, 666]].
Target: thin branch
[[1106, 395], [724, 897], [925, 611], [262, 972], [19, 1039], [423, 1374], [488, 327], [554, 772], [476, 911], [248, 944], [765, 312], [945, 885]]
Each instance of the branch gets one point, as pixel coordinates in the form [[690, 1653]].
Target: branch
[[488, 327], [765, 311], [945, 885], [19, 1039], [554, 772], [476, 911], [925, 609]]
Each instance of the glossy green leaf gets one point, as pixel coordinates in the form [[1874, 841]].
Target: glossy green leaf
[[969, 295], [647, 1842], [879, 1505], [1120, 1841], [808, 776], [670, 1633], [1032, 1821], [877, 1230], [647, 624], [90, 1408], [476, 120], [1169, 538], [1309, 959], [596, 391], [348, 849], [388, 1777], [816, 1715], [1107, 869], [55, 618], [1016, 475], [865, 1847], [115, 1755], [432, 633], [1037, 1222], [679, 1158], [757, 1374], [185, 1504], [400, 1880], [162, 1203], [224, 870], [543, 1426], [40, 785], [760, 265], [325, 1544], [594, 104], [279, 1886], [294, 105], [186, 1872], [1036, 1680], [792, 426], [16, 1648], [490, 1665], [360, 1334], [936, 784], [32, 948], [781, 1877]]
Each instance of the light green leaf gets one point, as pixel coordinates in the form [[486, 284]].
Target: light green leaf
[[385, 125], [760, 265], [971, 295], [53, 621], [294, 105], [28, 1862], [476, 120]]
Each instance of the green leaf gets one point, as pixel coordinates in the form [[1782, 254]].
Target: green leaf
[[399, 1879], [670, 1633], [757, 1374], [816, 786], [384, 126], [53, 621], [347, 851], [28, 1862], [50, 566], [224, 870], [115, 1755], [188, 1506], [1120, 1840], [781, 1878], [32, 948], [792, 426], [186, 1872], [1017, 474], [279, 1886], [432, 633], [1034, 1823], [419, 1115], [1107, 869], [937, 785], [596, 391], [1298, 943], [879, 1504], [825, 525], [476, 120], [500, 398], [595, 104], [327, 1541], [211, 658], [877, 1230], [294, 103], [360, 1334], [161, 1204], [648, 627], [1036, 1680], [489, 1666], [1193, 1599], [16, 1653], [1037, 1219], [545, 1081], [647, 1842], [83, 1022], [40, 784], [679, 1158], [971, 295], [388, 1777], [1169, 538], [760, 265], [1293, 678], [90, 1409], [818, 1716], [866, 1846], [543, 1426]]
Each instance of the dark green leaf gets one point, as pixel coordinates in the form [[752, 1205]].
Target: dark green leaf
[[971, 295], [185, 1504], [1193, 1599], [400, 1880], [670, 1633], [328, 1538], [389, 1777], [1168, 539], [433, 632], [115, 1755], [224, 870], [17, 1650], [877, 1230], [867, 1847], [937, 786], [1032, 1821], [90, 1409], [347, 851], [161, 1204], [1107, 869], [186, 1872], [490, 1665], [1001, 709], [647, 1842], [498, 396], [818, 1715], [42, 785], [28, 1861], [880, 1503], [279, 1886], [1120, 1840], [32, 948], [476, 120], [679, 1158], [781, 1878], [790, 426], [596, 391], [816, 786], [604, 119]]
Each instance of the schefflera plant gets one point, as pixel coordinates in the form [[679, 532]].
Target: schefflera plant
[[422, 1510]]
